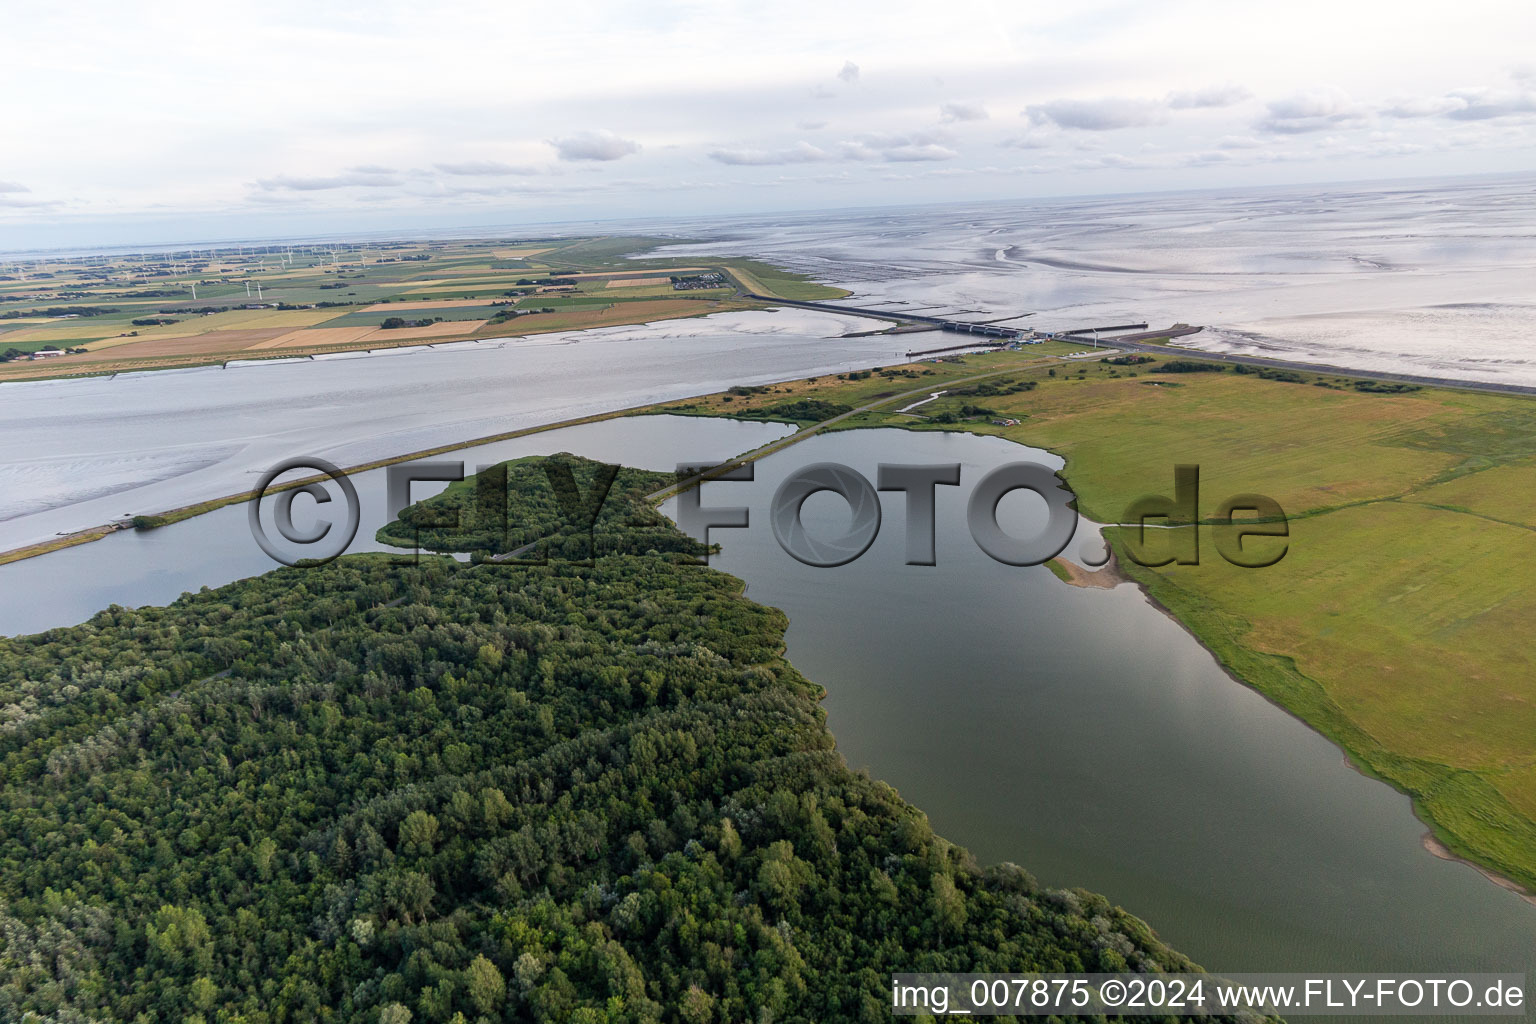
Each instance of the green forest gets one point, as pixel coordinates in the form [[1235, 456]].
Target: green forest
[[446, 792]]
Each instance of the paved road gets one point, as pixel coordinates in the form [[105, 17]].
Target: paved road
[[815, 428]]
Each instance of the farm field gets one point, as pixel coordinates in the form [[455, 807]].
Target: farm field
[[108, 314], [1397, 621]]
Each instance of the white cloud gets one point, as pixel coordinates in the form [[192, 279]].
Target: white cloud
[[485, 168], [1210, 96], [1322, 110], [352, 179], [931, 151], [1118, 161], [12, 186], [800, 153], [1099, 115], [1482, 104], [951, 112], [1465, 105], [721, 79], [902, 148], [1429, 106], [11, 202], [603, 145]]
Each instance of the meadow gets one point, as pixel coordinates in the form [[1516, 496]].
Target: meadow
[[1397, 621]]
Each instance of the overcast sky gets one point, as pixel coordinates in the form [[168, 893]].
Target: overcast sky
[[201, 121]]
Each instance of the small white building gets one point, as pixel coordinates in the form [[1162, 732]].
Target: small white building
[[46, 353]]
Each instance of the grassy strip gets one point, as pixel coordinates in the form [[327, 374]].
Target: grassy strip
[[1462, 811], [69, 541], [762, 279], [1317, 446], [176, 515]]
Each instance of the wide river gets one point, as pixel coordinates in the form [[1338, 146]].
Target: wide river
[[82, 453], [1078, 732]]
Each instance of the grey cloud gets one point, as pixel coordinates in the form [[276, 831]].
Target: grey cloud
[[1239, 142], [1311, 112], [1430, 106], [908, 154], [485, 168], [1465, 105], [291, 183], [12, 186], [1482, 104], [1096, 115], [951, 112], [849, 72], [1210, 96], [811, 126], [594, 146], [1115, 160], [800, 153], [926, 145], [1024, 142], [12, 202], [486, 190]]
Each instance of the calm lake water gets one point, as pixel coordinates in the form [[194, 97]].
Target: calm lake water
[[1085, 735], [136, 567], [1080, 733]]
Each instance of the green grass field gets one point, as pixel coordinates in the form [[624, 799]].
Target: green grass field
[[1398, 621]]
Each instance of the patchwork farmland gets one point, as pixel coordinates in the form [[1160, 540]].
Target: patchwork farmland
[[141, 311]]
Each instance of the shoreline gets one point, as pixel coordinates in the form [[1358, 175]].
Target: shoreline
[[360, 349], [183, 512], [1112, 575], [1440, 850], [1073, 575], [1430, 841]]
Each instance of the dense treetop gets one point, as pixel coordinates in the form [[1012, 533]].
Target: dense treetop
[[447, 793], [561, 506]]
